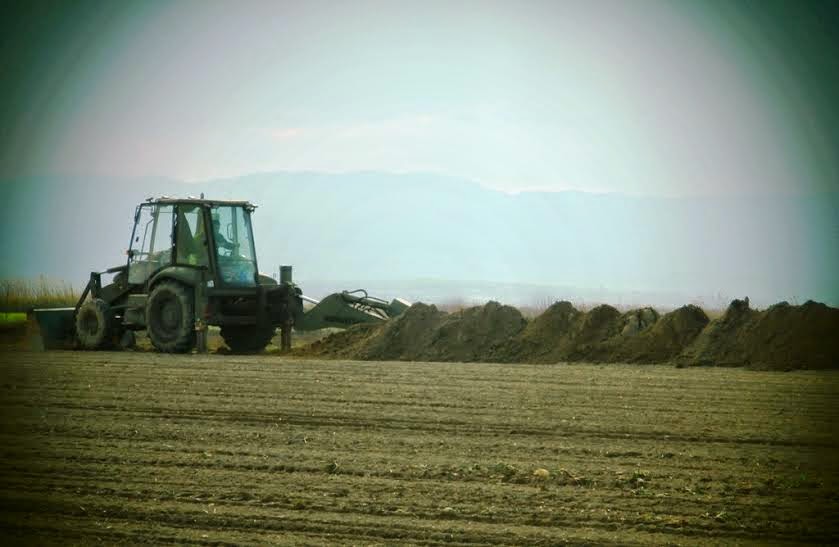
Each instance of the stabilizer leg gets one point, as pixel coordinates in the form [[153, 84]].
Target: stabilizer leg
[[201, 337], [285, 337]]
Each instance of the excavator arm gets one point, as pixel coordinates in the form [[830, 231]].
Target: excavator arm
[[348, 308]]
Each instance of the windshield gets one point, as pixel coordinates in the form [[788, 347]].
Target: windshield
[[234, 245]]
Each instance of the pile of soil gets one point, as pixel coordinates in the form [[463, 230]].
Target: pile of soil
[[424, 333], [635, 321], [662, 340], [723, 341], [782, 336], [408, 337], [804, 336], [589, 336], [542, 339], [474, 334], [563, 333], [344, 344]]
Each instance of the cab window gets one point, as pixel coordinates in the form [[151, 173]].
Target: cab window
[[192, 236]]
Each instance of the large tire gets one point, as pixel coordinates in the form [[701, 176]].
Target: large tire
[[170, 320], [95, 324], [247, 339]]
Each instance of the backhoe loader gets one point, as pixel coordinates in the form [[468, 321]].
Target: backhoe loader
[[191, 264]]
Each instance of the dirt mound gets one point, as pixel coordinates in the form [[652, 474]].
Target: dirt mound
[[540, 341], [408, 337], [345, 344], [563, 333], [782, 336], [630, 324], [424, 333], [404, 337], [804, 336], [475, 333], [723, 341], [661, 341], [635, 321], [591, 333]]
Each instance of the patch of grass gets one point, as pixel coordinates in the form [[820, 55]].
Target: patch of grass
[[12, 318], [23, 295]]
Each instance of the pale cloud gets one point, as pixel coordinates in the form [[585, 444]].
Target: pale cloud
[[396, 127], [556, 96], [286, 133]]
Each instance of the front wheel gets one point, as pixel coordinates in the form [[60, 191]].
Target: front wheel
[[170, 319], [247, 339], [94, 324]]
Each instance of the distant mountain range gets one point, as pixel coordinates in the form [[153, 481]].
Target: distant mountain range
[[441, 238]]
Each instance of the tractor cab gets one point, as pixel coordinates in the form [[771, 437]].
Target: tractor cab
[[212, 236]]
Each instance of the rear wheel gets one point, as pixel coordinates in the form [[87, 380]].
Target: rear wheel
[[94, 324], [170, 319], [247, 339]]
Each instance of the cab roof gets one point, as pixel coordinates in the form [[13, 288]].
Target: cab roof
[[166, 200]]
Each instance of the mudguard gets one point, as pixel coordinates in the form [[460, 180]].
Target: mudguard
[[182, 274]]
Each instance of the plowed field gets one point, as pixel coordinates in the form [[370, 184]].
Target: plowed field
[[138, 447]]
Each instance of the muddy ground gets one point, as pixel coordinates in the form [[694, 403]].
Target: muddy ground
[[223, 450]]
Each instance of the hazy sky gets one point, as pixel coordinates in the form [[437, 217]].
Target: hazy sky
[[651, 97]]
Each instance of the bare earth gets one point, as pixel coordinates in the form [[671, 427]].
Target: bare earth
[[139, 447]]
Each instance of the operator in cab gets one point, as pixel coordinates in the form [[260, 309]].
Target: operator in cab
[[221, 241]]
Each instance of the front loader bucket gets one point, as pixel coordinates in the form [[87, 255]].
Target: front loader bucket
[[58, 329]]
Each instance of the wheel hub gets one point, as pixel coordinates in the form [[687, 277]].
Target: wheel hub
[[170, 315], [89, 322]]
